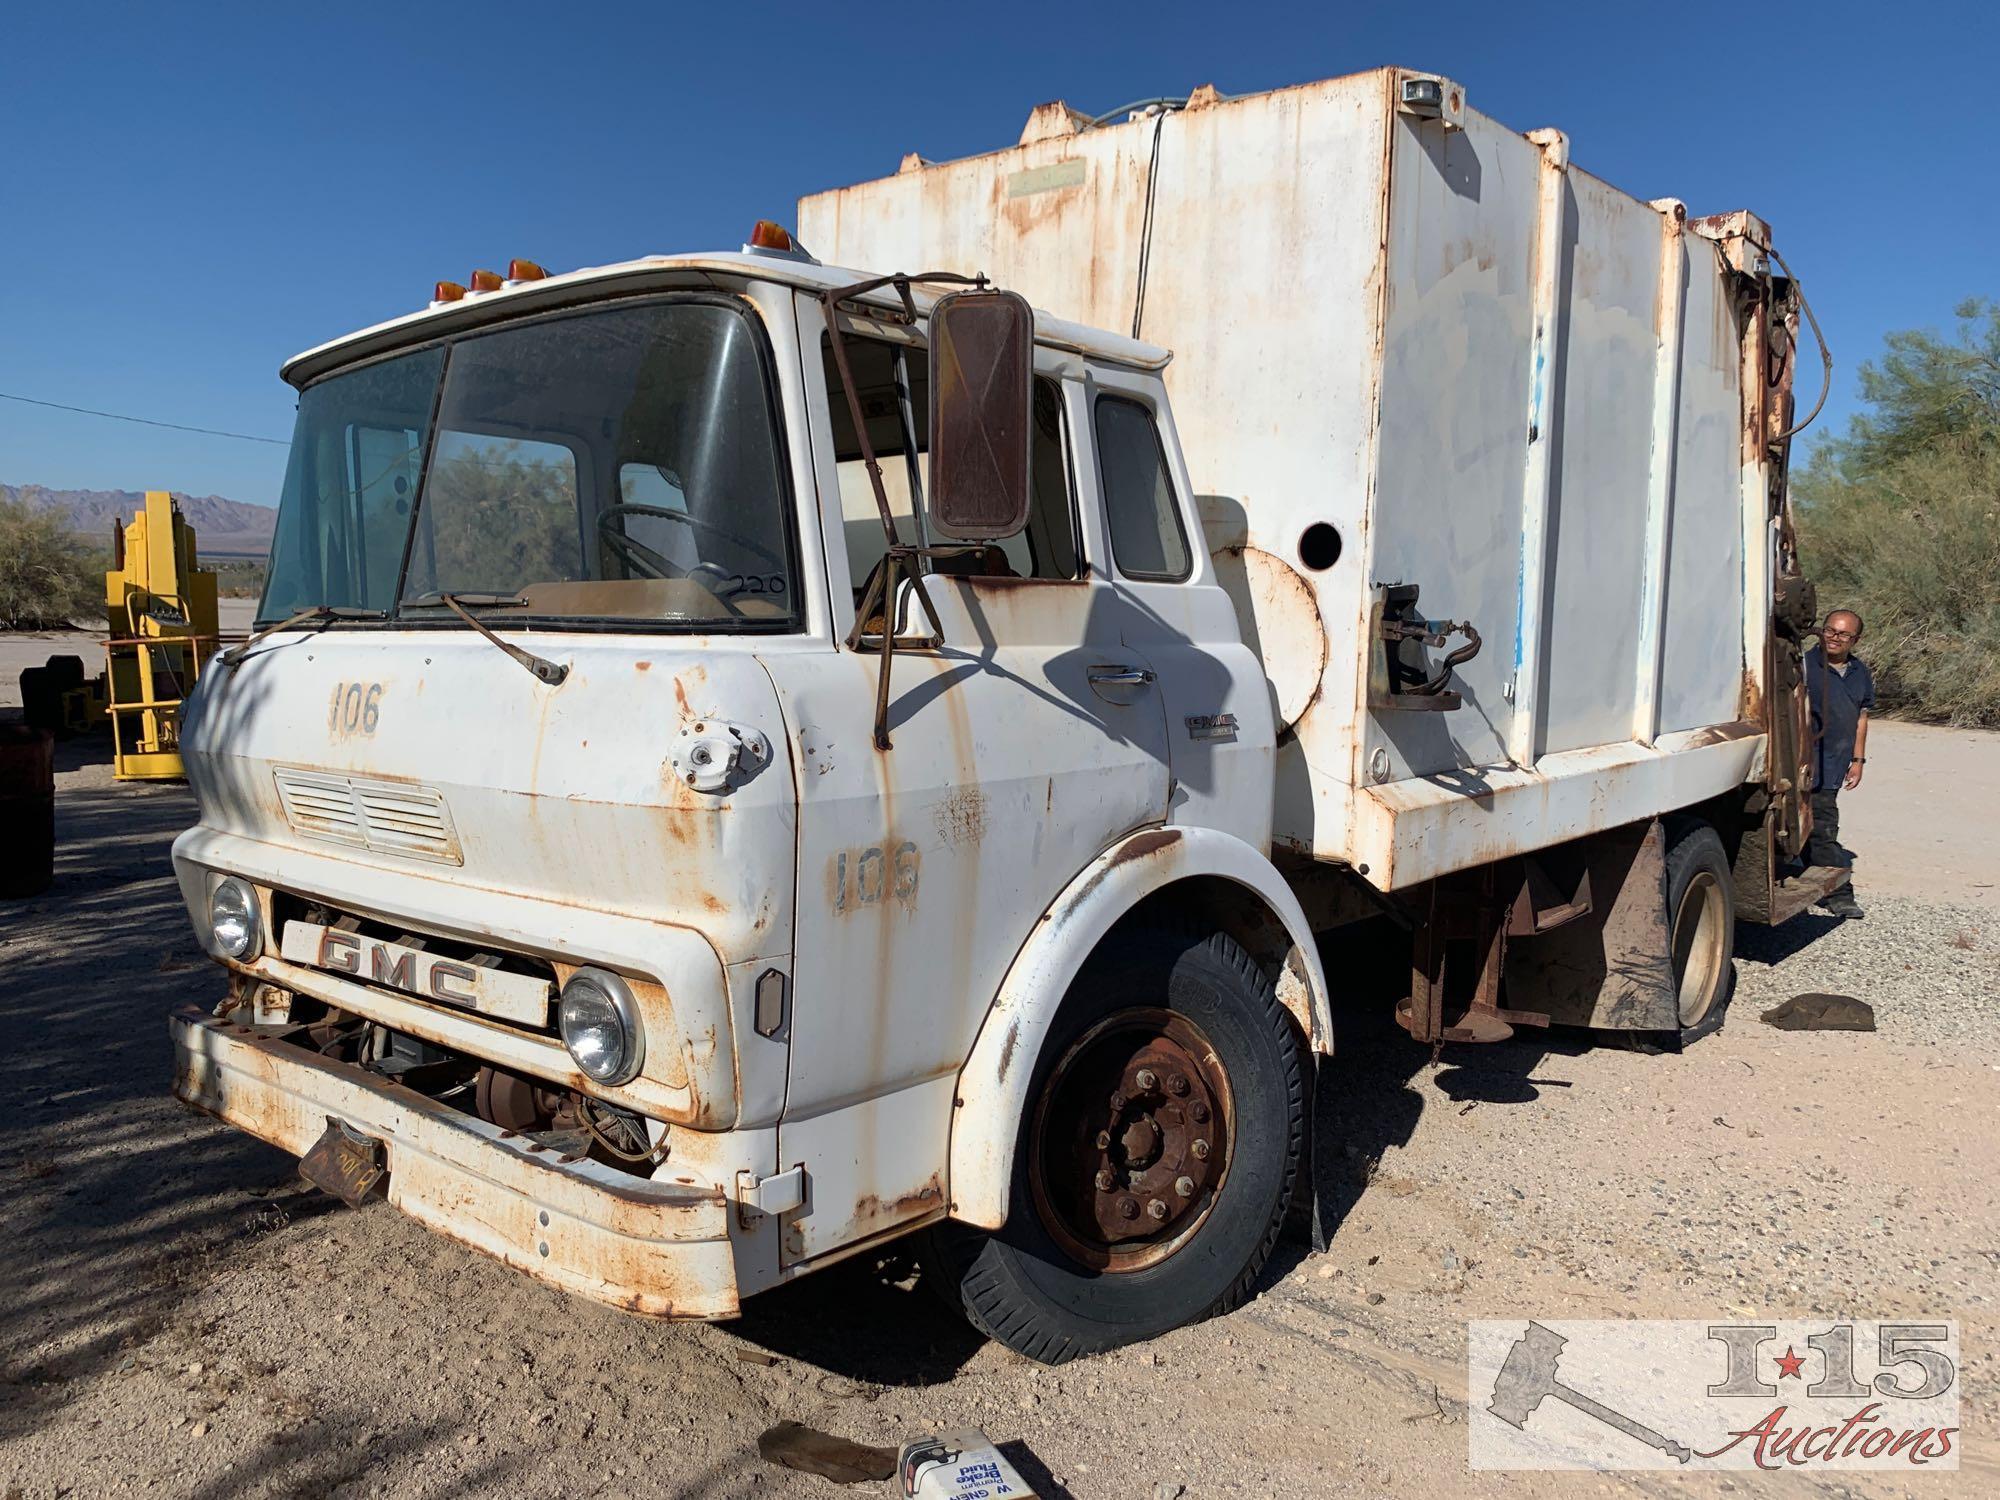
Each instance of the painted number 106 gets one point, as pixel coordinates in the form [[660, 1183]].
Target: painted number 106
[[356, 708], [863, 877]]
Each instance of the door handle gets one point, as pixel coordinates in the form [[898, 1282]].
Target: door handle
[[1123, 676]]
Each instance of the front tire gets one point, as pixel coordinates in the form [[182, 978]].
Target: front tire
[[1156, 1159]]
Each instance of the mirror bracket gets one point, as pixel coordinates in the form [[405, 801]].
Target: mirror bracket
[[901, 557]]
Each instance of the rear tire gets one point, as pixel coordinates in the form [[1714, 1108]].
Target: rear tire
[[1701, 927], [1129, 1219]]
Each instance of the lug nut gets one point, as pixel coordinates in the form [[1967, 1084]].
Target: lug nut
[[1200, 1150], [1177, 1086], [1156, 1209], [1184, 1186], [1107, 1179], [1147, 1080], [1198, 1112], [1103, 1140], [1118, 1102], [1128, 1208]]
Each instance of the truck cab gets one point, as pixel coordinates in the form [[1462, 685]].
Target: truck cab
[[602, 879]]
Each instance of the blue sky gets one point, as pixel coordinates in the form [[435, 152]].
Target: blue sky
[[191, 193]]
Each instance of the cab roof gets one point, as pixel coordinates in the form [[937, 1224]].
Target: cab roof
[[593, 283]]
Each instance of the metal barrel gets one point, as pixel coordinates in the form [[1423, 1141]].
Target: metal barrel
[[27, 810]]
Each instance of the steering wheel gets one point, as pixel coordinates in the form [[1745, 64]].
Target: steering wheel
[[635, 552]]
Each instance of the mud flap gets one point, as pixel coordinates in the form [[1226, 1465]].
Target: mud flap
[[1317, 1207], [1612, 968]]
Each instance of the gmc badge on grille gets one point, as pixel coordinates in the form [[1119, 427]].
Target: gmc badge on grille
[[521, 998]]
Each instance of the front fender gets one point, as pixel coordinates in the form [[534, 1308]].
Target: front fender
[[993, 1086]]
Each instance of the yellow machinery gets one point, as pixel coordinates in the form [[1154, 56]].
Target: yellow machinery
[[161, 610]]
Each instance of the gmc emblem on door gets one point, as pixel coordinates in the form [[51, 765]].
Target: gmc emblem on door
[[513, 997]]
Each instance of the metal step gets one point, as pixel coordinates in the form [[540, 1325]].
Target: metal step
[[1790, 897]]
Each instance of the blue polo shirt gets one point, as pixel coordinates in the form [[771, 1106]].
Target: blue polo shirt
[[1837, 699]]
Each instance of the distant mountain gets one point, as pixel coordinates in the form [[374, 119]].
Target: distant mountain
[[222, 528]]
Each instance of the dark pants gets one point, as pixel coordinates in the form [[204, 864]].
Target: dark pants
[[1823, 847]]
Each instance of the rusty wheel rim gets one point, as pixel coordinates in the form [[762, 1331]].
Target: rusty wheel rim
[[1131, 1140], [1699, 959]]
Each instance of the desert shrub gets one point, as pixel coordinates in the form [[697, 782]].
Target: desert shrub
[[1900, 519], [49, 577]]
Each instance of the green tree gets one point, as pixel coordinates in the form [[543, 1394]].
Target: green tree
[[49, 577], [500, 517], [1900, 519]]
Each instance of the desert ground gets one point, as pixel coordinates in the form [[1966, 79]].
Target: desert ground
[[183, 1316]]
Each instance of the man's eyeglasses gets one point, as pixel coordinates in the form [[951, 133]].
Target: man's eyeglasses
[[1842, 635]]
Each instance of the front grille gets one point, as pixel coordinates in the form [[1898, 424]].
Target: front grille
[[289, 906], [388, 817]]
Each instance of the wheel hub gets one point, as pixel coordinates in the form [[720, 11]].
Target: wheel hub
[[1132, 1141]]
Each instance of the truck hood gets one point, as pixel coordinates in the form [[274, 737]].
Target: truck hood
[[433, 752]]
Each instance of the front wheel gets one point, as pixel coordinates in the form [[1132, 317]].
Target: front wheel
[[1155, 1159]]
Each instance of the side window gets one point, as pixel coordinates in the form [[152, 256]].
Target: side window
[[1046, 549], [1147, 538], [350, 486]]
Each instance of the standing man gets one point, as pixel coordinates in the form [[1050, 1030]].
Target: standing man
[[1841, 691]]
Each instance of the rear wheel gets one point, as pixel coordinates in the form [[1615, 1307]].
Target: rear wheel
[[1155, 1160], [1701, 927]]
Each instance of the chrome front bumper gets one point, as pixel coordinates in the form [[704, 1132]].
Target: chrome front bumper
[[659, 1248]]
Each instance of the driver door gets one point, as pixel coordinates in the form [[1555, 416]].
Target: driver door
[[1023, 747]]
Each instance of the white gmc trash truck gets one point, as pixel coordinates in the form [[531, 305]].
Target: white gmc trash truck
[[742, 760]]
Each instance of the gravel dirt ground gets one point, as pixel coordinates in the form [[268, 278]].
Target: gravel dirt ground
[[182, 1316]]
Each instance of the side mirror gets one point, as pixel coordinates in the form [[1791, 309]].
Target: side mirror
[[982, 400]]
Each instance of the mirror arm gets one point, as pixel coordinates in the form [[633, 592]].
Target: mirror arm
[[913, 466], [880, 592], [881, 588], [860, 421], [831, 299]]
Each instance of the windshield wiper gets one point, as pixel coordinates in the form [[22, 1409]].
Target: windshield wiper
[[315, 614], [544, 670], [470, 600]]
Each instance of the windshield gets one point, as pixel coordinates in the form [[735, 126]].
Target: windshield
[[615, 465]]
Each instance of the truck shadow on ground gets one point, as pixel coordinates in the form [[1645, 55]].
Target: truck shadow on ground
[[1371, 1094], [1770, 946], [870, 1320], [106, 1229]]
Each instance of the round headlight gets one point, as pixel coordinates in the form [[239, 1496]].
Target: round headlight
[[600, 1025], [232, 920]]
